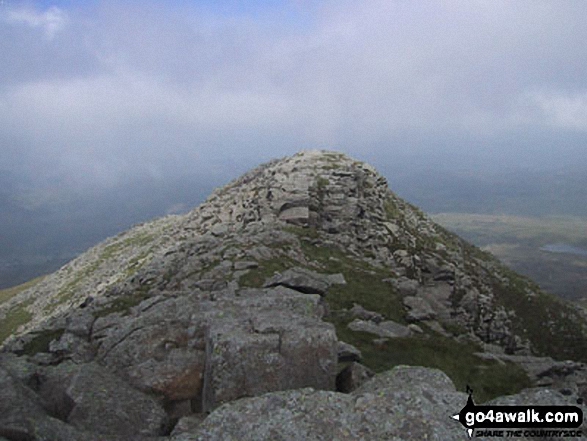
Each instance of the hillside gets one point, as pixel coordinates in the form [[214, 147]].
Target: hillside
[[549, 250], [256, 290]]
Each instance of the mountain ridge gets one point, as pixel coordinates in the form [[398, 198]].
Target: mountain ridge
[[256, 290]]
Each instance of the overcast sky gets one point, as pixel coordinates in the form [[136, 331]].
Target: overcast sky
[[98, 92]]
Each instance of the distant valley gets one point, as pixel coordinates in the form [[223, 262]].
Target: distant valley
[[550, 250]]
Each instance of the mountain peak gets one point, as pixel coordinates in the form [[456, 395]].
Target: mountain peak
[[303, 189], [278, 281]]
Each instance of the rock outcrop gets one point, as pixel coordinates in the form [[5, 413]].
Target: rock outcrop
[[269, 296]]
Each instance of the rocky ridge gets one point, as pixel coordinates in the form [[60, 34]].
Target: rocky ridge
[[256, 291]]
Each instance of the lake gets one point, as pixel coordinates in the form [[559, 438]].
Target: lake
[[564, 248]]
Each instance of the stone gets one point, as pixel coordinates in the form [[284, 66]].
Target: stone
[[347, 352], [405, 286], [388, 328], [80, 324], [357, 311], [336, 279], [418, 309], [301, 280], [271, 351], [20, 407], [400, 404], [100, 402], [352, 376], [188, 424], [245, 265]]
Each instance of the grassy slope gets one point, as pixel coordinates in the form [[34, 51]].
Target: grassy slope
[[18, 314]]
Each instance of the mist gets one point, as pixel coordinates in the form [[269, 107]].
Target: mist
[[116, 112]]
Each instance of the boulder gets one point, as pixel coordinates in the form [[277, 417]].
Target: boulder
[[353, 376], [267, 352], [418, 309], [405, 403], [302, 280], [388, 328], [347, 352], [92, 399], [357, 311]]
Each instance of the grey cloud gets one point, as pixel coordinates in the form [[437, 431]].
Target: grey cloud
[[154, 89]]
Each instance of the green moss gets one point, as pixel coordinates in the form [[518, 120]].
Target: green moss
[[321, 182], [41, 341], [124, 303], [257, 276]]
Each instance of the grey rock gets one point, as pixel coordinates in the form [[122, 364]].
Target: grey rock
[[403, 404], [357, 311], [271, 351], [245, 265], [418, 309], [302, 280], [336, 279], [387, 328], [353, 376], [405, 286], [80, 323], [188, 424], [347, 352], [20, 407], [100, 402]]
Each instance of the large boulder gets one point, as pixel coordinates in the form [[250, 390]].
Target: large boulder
[[386, 329], [92, 399], [304, 280], [406, 403], [267, 352]]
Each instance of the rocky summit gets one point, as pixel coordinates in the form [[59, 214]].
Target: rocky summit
[[302, 301]]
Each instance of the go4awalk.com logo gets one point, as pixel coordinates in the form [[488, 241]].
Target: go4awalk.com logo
[[520, 421]]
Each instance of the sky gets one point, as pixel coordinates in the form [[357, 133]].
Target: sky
[[96, 94]]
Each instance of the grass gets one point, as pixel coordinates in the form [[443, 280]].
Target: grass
[[15, 317], [553, 328], [8, 293], [489, 379], [125, 302], [256, 277], [41, 341], [364, 286]]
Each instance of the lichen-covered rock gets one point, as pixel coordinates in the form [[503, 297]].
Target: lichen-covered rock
[[92, 399], [403, 404], [267, 352]]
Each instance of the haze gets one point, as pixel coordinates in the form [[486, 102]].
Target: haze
[[115, 112]]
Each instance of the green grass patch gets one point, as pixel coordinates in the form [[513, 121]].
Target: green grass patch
[[364, 282], [553, 327], [392, 210], [8, 293], [124, 303], [41, 341], [489, 379], [15, 317], [256, 277]]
